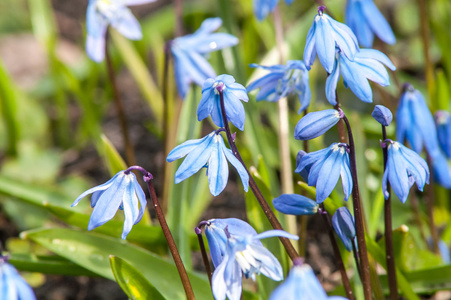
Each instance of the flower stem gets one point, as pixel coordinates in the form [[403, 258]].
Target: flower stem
[[170, 240], [390, 256], [302, 220], [292, 253], [340, 125], [356, 257], [338, 258], [358, 215], [198, 231], [129, 152]]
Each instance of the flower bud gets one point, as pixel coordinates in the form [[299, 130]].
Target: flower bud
[[294, 204], [343, 223], [316, 123], [382, 114]]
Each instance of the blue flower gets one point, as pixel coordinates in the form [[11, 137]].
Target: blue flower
[[209, 152], [294, 204], [122, 191], [283, 80], [442, 171], [217, 238], [241, 253], [325, 167], [343, 223], [12, 285], [382, 114], [415, 122], [443, 122], [301, 284], [263, 7], [367, 64], [404, 167], [324, 36], [305, 171], [416, 125], [210, 104], [316, 123], [188, 51], [102, 13], [365, 20]]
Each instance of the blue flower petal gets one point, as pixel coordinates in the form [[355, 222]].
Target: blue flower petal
[[127, 25], [185, 148], [218, 171], [331, 84], [377, 22], [196, 159], [324, 44], [108, 203], [239, 167], [328, 176]]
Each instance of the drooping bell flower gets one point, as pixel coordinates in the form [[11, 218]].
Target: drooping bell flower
[[120, 192], [209, 152], [324, 37], [325, 168]]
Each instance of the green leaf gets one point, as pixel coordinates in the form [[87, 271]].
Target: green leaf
[[92, 251], [113, 159], [33, 194], [131, 281], [48, 264], [430, 280], [408, 255], [379, 255], [9, 110], [150, 237]]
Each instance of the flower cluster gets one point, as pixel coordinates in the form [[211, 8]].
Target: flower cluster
[[339, 53], [236, 250]]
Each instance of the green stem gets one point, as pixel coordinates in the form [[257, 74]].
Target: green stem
[[198, 231], [390, 255], [292, 253], [170, 240], [337, 254]]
